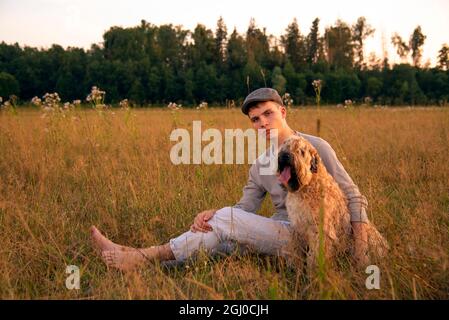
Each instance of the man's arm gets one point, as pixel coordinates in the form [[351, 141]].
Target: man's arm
[[357, 203], [253, 193], [360, 243]]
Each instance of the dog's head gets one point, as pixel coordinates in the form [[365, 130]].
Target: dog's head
[[297, 163]]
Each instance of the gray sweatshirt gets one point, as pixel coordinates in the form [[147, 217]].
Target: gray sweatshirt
[[258, 185]]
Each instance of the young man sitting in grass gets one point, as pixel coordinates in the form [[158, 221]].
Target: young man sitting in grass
[[240, 224]]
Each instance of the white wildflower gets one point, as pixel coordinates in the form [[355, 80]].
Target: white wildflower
[[173, 106], [368, 100], [36, 101], [316, 84], [124, 104], [287, 99], [96, 97], [203, 105]]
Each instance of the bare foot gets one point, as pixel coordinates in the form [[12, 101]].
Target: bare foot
[[102, 243], [124, 260]]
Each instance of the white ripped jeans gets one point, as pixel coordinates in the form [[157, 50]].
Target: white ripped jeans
[[232, 225]]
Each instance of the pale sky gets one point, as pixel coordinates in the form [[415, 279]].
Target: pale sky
[[80, 23]]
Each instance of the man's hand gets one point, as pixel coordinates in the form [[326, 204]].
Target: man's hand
[[360, 244], [200, 221]]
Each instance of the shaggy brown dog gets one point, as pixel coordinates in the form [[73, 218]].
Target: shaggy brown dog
[[315, 202]]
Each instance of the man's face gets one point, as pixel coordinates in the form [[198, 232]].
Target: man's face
[[268, 115]]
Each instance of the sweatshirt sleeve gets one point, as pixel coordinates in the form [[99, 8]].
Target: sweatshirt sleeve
[[253, 193], [357, 203]]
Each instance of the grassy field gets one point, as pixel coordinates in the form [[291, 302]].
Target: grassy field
[[59, 175]]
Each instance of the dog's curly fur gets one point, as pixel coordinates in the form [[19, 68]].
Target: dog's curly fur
[[314, 199]]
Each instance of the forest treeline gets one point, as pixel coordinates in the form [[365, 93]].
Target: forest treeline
[[151, 65]]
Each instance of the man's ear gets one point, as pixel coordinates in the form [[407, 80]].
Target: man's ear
[[283, 111]]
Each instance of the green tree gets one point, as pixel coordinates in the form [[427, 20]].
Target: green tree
[[443, 57], [402, 85], [360, 31], [339, 46], [416, 42], [294, 45], [257, 46], [8, 85], [35, 70], [314, 43], [402, 48], [157, 64], [296, 83], [136, 92], [253, 74], [221, 34], [374, 87], [204, 49], [278, 80], [205, 82], [434, 83], [71, 76], [236, 59]]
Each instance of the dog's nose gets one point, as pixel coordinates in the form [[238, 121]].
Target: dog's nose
[[284, 156]]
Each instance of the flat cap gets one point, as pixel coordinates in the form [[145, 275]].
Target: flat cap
[[261, 95]]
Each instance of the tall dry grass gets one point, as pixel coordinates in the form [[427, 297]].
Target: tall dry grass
[[59, 175]]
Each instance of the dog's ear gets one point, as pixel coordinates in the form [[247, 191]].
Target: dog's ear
[[314, 162]]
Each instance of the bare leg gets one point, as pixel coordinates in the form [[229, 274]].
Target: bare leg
[[131, 259], [101, 243], [127, 258]]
